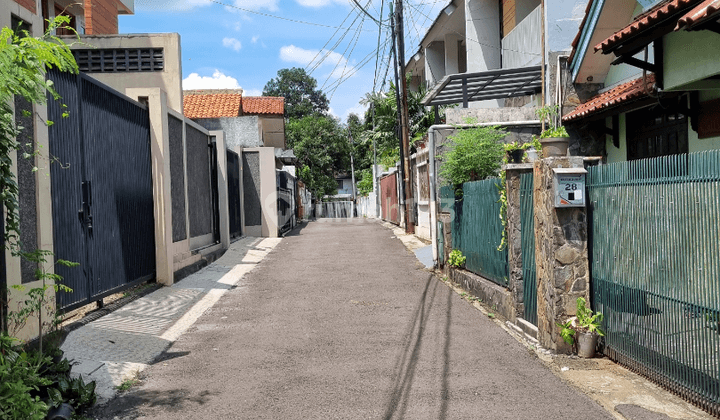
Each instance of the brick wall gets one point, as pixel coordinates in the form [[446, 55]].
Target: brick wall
[[28, 4], [101, 17]]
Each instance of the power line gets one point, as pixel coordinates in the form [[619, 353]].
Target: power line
[[165, 7], [328, 41], [347, 59]]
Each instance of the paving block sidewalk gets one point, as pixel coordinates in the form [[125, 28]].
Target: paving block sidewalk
[[117, 346]]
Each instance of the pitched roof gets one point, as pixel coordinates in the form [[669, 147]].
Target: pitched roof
[[272, 105], [616, 96], [652, 16], [705, 10], [210, 104], [576, 40]]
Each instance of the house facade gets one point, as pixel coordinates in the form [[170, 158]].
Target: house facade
[[655, 70]]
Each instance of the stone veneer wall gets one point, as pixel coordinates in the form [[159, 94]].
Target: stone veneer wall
[[561, 254], [515, 262]]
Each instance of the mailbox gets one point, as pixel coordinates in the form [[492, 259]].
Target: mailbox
[[569, 185]]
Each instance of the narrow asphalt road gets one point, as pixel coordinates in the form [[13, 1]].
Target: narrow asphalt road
[[340, 321]]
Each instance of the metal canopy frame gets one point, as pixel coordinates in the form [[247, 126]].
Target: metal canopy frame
[[494, 84]]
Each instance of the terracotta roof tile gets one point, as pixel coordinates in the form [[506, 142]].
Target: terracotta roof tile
[[620, 94], [654, 15], [263, 105], [212, 105], [706, 9]]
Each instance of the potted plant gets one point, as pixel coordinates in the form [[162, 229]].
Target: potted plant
[[555, 138], [582, 331], [515, 151]]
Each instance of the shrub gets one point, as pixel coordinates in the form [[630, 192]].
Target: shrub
[[473, 154]]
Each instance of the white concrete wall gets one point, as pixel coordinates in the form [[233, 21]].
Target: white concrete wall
[[434, 62], [522, 46], [482, 31], [367, 206]]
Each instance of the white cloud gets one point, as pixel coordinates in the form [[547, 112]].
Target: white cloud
[[232, 43], [358, 110], [330, 60], [252, 92], [271, 5], [254, 39], [217, 81], [319, 3]]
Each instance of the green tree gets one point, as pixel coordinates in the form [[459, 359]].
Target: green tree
[[382, 121], [302, 97], [321, 145]]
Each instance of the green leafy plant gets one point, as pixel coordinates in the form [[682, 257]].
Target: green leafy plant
[[77, 393], [472, 154], [567, 332], [24, 61], [549, 114], [20, 382], [512, 146], [587, 320], [37, 300], [456, 259]]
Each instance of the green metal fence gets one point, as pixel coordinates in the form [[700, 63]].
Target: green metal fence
[[477, 230], [527, 241], [655, 239], [447, 199]]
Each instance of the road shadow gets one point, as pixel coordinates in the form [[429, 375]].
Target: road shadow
[[131, 404], [406, 363], [296, 231]]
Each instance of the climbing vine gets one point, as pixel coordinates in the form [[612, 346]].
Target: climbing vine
[[24, 62]]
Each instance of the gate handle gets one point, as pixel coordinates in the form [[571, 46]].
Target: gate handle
[[84, 213]]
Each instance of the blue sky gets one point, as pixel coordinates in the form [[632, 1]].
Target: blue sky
[[226, 47]]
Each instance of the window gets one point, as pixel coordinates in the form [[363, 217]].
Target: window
[[654, 132]]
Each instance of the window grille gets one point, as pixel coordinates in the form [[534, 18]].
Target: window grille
[[114, 60]]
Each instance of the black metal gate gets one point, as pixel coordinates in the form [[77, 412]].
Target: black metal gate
[[233, 176], [102, 192]]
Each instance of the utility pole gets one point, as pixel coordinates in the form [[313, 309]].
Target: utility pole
[[399, 109], [404, 122], [352, 164]]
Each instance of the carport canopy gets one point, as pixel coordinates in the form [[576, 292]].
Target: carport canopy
[[463, 88]]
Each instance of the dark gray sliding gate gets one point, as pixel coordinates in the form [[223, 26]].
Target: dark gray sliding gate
[[101, 189], [233, 176]]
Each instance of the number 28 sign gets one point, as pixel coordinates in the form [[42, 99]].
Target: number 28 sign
[[569, 186]]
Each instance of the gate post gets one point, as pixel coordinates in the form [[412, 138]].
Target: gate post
[[514, 241], [561, 254], [156, 100], [222, 181]]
